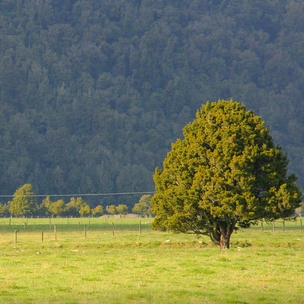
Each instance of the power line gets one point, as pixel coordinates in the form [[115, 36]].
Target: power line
[[86, 194]]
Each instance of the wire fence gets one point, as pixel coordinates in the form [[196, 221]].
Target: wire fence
[[280, 225], [51, 227]]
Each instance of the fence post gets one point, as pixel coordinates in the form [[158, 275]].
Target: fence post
[[283, 225], [262, 225], [273, 225], [301, 224], [15, 238], [140, 227], [42, 236], [55, 232], [113, 227], [85, 231]]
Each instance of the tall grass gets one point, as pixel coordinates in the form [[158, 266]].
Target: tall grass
[[135, 264]]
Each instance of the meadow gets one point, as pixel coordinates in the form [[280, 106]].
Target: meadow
[[122, 260]]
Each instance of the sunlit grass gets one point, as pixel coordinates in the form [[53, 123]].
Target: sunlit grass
[[138, 265]]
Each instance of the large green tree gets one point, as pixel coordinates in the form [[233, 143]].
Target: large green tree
[[226, 171], [23, 203]]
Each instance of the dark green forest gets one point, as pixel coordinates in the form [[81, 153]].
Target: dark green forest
[[93, 93]]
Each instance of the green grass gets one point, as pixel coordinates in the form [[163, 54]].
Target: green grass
[[151, 267]]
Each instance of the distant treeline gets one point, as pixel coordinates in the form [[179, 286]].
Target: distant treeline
[[24, 204]]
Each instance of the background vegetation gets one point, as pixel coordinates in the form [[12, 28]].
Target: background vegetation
[[92, 93], [24, 204]]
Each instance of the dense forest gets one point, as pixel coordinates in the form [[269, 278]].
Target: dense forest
[[93, 93]]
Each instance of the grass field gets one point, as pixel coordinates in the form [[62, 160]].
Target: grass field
[[120, 261]]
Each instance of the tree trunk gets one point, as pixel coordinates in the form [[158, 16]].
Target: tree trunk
[[226, 231], [221, 233], [224, 241]]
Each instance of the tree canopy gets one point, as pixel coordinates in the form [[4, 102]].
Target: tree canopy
[[225, 171], [143, 207], [23, 202]]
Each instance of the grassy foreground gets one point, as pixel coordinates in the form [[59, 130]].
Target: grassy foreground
[[120, 261]]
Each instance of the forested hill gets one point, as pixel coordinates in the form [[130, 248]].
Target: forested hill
[[93, 93]]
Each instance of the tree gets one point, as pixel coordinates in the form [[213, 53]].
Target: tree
[[58, 207], [122, 209], [45, 206], [85, 210], [112, 209], [98, 210], [52, 208], [143, 207], [74, 205], [225, 172], [23, 202]]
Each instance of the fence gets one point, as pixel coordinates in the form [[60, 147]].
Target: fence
[[50, 227], [281, 224], [82, 225]]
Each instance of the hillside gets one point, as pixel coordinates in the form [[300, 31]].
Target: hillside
[[93, 93]]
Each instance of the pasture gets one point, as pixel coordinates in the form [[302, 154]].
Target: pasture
[[106, 260]]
